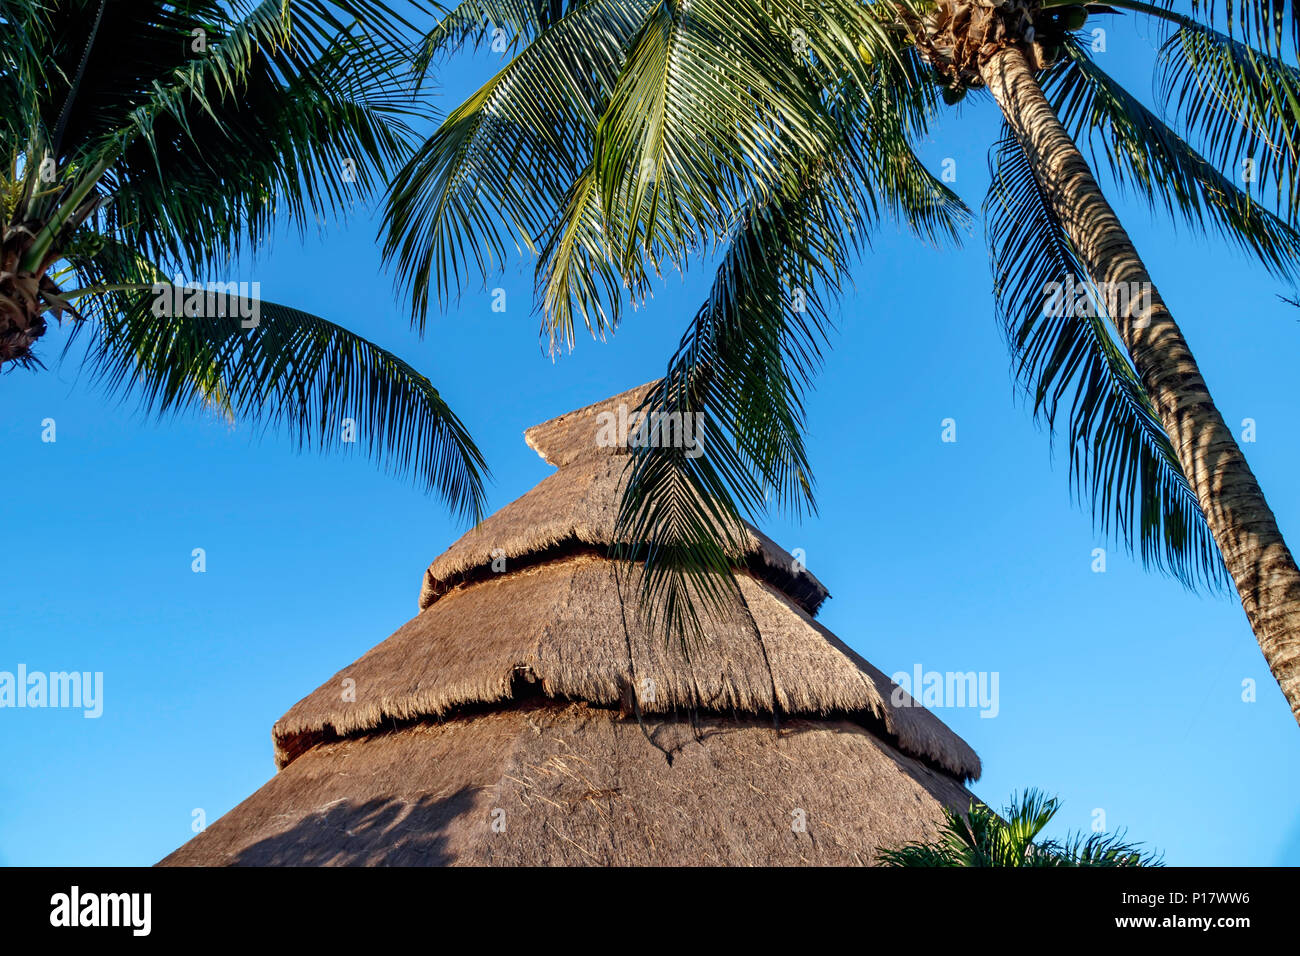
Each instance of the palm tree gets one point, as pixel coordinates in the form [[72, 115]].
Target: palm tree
[[151, 139], [626, 137], [981, 837]]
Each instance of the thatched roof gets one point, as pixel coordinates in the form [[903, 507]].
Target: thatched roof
[[578, 505], [536, 689], [544, 782], [565, 624]]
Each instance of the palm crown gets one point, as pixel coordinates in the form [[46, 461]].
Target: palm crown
[[624, 138], [149, 139], [980, 837]]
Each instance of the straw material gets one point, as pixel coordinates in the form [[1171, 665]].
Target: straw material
[[578, 505], [571, 626], [552, 783], [575, 436], [530, 715]]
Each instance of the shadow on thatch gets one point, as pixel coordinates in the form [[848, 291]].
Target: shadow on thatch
[[378, 832], [544, 783]]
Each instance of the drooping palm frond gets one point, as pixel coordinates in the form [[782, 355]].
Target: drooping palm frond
[[159, 138], [504, 24], [739, 373], [713, 103], [890, 112], [267, 364], [1243, 106], [1266, 24], [979, 838], [1121, 461], [497, 171], [744, 365], [1152, 161]]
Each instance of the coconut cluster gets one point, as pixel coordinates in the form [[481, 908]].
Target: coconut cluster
[[958, 37]]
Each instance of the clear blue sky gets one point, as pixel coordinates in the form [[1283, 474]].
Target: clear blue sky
[[1119, 691]]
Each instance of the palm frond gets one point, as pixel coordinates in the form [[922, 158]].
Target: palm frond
[[881, 120], [753, 349], [674, 193], [499, 168], [25, 67], [1267, 24], [576, 275], [981, 838], [505, 24], [740, 372], [1148, 158], [1121, 461], [707, 110], [280, 132], [1242, 105], [276, 367], [296, 109], [1097, 849]]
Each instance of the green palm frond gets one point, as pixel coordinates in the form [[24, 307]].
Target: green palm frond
[[628, 104], [179, 134], [1149, 159], [295, 110], [742, 370], [1267, 24], [1243, 106], [1121, 461], [739, 373], [885, 117], [497, 171], [25, 74], [308, 134], [576, 272], [578, 276], [981, 838], [505, 24], [753, 349], [708, 109], [1096, 849], [276, 367]]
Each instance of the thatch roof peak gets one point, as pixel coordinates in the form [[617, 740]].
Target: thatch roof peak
[[582, 434], [577, 508]]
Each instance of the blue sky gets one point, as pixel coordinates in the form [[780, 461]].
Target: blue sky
[[1118, 691]]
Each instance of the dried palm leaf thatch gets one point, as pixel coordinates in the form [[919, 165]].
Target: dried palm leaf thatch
[[528, 714]]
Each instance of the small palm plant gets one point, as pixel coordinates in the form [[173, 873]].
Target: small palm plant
[[980, 837], [149, 139]]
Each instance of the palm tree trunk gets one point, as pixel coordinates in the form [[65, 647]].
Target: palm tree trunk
[[1259, 561]]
